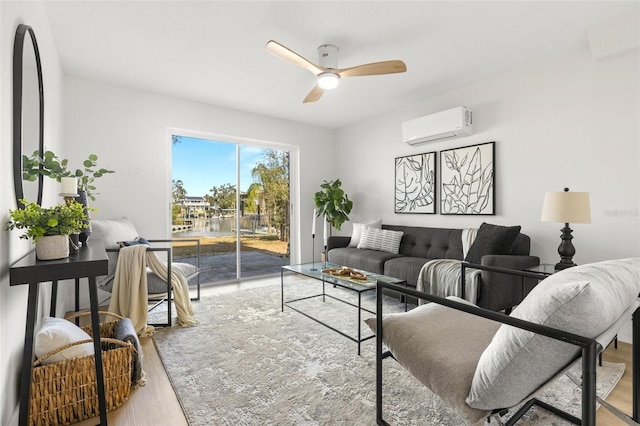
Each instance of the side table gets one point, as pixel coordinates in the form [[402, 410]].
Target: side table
[[90, 262], [543, 268]]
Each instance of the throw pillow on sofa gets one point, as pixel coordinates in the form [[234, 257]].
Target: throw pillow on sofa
[[357, 231], [492, 239], [380, 239]]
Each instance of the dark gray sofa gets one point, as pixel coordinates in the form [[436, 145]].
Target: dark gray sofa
[[420, 244]]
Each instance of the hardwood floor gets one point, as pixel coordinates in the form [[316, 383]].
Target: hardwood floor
[[157, 404]]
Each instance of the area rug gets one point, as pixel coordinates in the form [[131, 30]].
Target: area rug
[[248, 363]]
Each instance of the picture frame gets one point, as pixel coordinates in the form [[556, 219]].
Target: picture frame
[[415, 184], [467, 179]]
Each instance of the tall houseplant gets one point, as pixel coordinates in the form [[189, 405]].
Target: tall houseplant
[[49, 227], [333, 203]]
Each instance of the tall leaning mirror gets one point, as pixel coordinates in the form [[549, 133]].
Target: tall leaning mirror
[[28, 113]]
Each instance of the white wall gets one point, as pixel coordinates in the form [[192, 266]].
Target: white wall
[[129, 127], [13, 300], [568, 122]]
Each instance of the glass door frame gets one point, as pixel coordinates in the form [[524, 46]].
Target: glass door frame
[[294, 183]]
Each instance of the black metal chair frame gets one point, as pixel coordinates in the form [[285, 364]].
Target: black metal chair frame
[[169, 252], [589, 352]]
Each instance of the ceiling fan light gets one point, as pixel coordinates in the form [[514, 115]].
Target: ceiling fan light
[[328, 80]]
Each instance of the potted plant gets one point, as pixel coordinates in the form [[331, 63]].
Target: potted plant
[[52, 166], [49, 227], [333, 203]]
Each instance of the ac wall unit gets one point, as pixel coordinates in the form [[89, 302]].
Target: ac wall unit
[[449, 124]]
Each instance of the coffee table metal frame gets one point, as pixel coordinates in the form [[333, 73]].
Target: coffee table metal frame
[[314, 270]]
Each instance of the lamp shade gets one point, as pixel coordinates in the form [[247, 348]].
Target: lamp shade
[[566, 207]]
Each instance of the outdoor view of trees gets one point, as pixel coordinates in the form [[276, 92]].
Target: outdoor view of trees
[[267, 196]]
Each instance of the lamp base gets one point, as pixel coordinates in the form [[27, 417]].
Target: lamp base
[[566, 249], [560, 266]]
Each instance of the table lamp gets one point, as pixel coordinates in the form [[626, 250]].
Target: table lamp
[[566, 207]]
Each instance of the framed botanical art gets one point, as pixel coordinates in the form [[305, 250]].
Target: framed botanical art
[[415, 184], [468, 180]]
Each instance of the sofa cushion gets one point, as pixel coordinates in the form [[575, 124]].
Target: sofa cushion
[[430, 243], [357, 231], [492, 239], [380, 239], [366, 260], [584, 300], [406, 268]]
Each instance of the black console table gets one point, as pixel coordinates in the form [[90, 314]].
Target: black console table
[[90, 262]]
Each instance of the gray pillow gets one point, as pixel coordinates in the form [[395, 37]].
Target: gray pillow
[[492, 239], [110, 232], [584, 300], [156, 285], [113, 231]]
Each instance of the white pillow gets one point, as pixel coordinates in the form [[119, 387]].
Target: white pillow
[[58, 332], [112, 231], [380, 239], [357, 230], [585, 300]]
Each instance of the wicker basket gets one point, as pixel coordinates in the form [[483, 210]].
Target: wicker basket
[[66, 392]]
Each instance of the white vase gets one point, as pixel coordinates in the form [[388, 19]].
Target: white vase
[[52, 247]]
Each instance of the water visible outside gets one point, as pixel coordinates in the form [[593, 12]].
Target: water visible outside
[[261, 252]]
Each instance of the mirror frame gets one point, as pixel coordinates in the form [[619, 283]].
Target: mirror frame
[[18, 49]]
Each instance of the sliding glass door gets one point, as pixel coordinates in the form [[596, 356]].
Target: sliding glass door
[[234, 198]]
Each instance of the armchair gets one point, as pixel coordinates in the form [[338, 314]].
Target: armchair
[[112, 232], [481, 362]]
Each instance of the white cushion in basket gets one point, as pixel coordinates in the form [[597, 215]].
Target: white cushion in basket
[[584, 300], [357, 231], [380, 239], [57, 332]]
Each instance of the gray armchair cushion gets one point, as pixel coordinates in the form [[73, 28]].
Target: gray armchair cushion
[[586, 300], [156, 285], [440, 347], [122, 232]]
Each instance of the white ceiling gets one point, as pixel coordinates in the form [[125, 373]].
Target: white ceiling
[[213, 51]]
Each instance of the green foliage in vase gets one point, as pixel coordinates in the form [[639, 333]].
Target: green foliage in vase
[[50, 165], [38, 221], [333, 203]]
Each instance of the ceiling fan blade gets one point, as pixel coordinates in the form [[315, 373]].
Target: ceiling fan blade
[[314, 94], [289, 55], [375, 68]]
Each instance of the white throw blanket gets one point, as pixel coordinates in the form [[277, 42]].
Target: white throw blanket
[[441, 277], [130, 294]]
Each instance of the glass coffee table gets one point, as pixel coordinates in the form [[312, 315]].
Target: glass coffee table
[[314, 270]]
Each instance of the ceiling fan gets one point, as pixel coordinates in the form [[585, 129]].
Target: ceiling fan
[[327, 72]]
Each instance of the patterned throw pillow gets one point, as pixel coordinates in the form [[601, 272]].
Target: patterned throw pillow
[[380, 239], [357, 231]]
